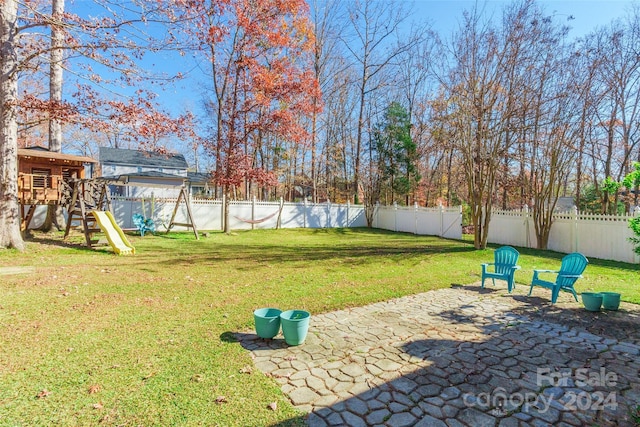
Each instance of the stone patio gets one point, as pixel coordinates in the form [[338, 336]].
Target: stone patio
[[462, 356]]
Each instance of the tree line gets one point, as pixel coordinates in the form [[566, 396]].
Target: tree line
[[506, 111], [342, 101]]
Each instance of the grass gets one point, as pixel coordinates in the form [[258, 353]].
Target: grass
[[91, 338]]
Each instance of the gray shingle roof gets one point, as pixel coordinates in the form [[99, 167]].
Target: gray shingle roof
[[121, 156], [198, 177], [147, 174]]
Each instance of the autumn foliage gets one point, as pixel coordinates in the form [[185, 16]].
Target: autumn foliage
[[262, 82]]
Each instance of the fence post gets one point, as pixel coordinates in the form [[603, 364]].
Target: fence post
[[395, 216], [328, 223], [441, 209], [348, 205], [376, 212], [527, 237], [574, 230], [415, 217], [304, 213], [224, 202], [636, 257], [253, 212]]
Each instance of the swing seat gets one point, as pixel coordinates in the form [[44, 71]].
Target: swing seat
[[143, 224]]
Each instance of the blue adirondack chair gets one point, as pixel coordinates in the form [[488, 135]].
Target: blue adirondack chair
[[505, 260], [570, 270]]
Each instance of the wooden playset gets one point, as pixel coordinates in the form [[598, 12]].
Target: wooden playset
[[41, 174], [49, 178]]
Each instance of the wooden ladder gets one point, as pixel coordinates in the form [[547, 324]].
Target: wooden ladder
[[87, 195]]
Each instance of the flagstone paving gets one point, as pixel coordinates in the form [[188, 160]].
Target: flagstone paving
[[454, 357]]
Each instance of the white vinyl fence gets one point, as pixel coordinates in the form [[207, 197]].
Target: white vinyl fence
[[439, 221], [243, 215], [597, 236], [246, 215]]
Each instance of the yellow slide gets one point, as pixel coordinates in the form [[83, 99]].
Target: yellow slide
[[115, 236]]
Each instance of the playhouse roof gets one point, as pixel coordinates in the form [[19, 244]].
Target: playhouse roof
[[39, 152]]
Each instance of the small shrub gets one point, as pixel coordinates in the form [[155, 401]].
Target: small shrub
[[635, 415], [634, 225]]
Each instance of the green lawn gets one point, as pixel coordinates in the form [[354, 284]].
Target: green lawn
[[92, 338]]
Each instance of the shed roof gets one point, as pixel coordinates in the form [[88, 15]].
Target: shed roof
[[199, 177], [148, 179], [141, 158]]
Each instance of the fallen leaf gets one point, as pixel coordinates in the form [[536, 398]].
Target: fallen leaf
[[43, 393], [290, 357], [94, 388], [197, 378], [281, 375], [221, 399], [97, 405], [246, 370], [273, 406]]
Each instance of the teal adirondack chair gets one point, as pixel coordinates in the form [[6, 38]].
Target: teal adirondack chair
[[505, 260], [570, 270]]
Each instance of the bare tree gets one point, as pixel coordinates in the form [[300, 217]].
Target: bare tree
[[618, 110], [373, 44], [586, 65], [558, 133], [326, 65], [476, 99]]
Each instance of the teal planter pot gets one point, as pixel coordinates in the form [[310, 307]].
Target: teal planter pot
[[267, 322], [295, 325], [610, 300], [592, 300]]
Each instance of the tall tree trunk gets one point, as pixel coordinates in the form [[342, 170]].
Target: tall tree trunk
[[55, 76], [10, 236], [606, 204], [225, 217], [55, 216], [314, 136], [356, 161]]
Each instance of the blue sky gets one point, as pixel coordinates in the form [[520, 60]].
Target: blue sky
[[588, 14], [443, 15]]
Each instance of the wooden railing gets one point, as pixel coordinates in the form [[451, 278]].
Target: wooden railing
[[38, 189]]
